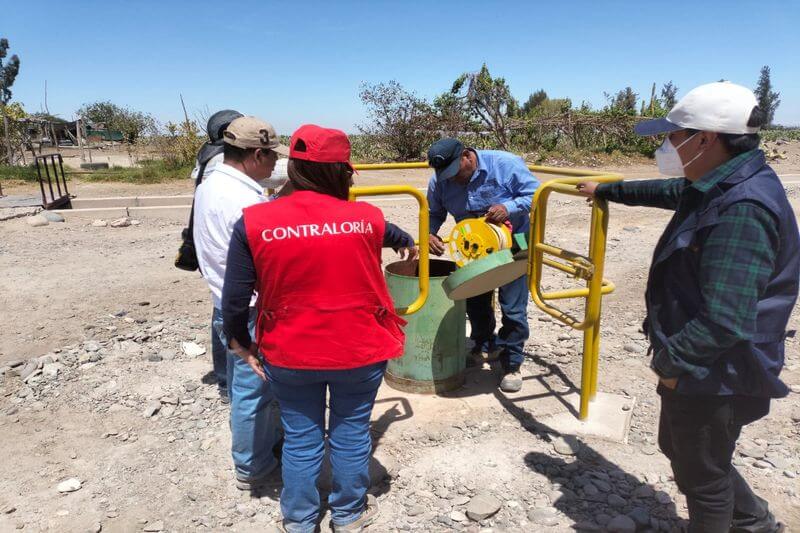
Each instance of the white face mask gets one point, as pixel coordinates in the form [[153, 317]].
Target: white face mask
[[669, 161]]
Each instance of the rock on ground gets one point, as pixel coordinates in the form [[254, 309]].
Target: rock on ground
[[52, 217], [483, 506], [37, 221], [69, 485]]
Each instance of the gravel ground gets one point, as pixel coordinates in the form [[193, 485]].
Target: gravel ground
[[109, 419]]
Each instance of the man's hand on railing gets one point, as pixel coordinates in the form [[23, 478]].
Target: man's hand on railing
[[436, 245], [587, 188]]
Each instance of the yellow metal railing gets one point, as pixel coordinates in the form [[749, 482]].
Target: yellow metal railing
[[588, 268], [424, 229]]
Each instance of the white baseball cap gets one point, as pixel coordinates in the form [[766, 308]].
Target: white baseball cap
[[721, 107]]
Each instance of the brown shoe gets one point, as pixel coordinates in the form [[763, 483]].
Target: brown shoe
[[363, 521]]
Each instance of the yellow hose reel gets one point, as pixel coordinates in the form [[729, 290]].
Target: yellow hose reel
[[474, 238]]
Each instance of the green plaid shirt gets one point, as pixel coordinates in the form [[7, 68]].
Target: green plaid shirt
[[736, 262]]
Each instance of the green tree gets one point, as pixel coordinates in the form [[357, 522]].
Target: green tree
[[400, 120], [768, 100], [132, 124], [488, 100], [624, 101], [534, 100], [8, 71], [669, 92]]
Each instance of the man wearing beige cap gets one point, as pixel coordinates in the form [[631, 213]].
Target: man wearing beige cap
[[250, 152]]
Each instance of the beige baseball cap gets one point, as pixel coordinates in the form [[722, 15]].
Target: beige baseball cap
[[252, 132]]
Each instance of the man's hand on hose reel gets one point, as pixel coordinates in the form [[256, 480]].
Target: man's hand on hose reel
[[496, 214]]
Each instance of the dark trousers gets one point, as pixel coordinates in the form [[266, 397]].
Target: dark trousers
[[698, 435], [514, 330]]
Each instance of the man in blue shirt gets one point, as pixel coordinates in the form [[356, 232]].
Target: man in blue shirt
[[498, 185]]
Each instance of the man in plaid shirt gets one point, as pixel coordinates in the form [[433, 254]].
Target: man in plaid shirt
[[722, 286]]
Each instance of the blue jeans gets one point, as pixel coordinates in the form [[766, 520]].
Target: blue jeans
[[514, 331], [301, 394], [255, 426], [219, 354]]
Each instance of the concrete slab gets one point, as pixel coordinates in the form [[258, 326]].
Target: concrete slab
[[609, 418], [93, 213], [172, 212], [132, 201], [20, 200], [548, 401]]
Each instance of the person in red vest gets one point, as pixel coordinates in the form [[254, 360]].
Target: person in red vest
[[326, 323]]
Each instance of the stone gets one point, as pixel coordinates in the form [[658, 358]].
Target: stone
[[781, 463], [762, 464], [158, 328], [633, 348], [756, 452], [640, 515], [99, 223], [154, 358], [589, 489], [615, 500], [28, 370], [37, 221], [151, 409], [52, 370], [416, 510], [621, 524], [156, 526], [543, 516], [643, 491], [482, 506], [97, 527], [123, 222], [566, 445], [458, 516], [192, 349], [91, 346], [135, 222], [69, 485], [52, 217], [790, 474], [663, 498]]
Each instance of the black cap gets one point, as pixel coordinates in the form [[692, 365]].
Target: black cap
[[445, 157], [218, 122]]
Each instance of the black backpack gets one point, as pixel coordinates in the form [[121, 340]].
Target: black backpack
[[187, 255]]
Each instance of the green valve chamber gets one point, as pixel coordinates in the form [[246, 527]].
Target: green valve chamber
[[434, 356]]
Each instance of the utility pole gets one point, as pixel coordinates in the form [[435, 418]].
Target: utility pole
[[7, 137], [80, 137]]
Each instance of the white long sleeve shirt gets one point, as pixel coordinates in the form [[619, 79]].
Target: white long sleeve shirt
[[218, 204]]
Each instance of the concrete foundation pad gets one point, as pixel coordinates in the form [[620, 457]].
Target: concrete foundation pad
[[132, 201], [609, 418], [548, 402], [93, 213]]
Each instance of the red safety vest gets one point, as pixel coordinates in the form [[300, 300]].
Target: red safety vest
[[322, 298]]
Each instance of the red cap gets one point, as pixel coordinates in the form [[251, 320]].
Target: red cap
[[323, 145]]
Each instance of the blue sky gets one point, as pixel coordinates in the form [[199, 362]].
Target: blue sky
[[303, 61]]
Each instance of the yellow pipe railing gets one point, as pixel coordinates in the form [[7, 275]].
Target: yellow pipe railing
[[424, 229], [589, 268]]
